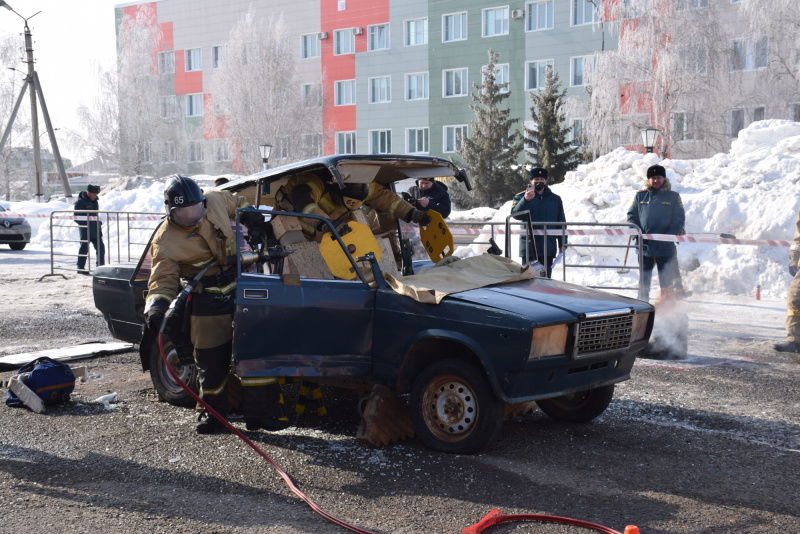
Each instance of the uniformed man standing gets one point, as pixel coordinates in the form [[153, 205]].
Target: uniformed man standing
[[792, 343], [198, 230]]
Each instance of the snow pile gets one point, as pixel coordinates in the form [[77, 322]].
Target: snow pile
[[751, 192]]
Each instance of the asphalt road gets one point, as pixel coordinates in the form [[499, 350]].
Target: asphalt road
[[710, 444]]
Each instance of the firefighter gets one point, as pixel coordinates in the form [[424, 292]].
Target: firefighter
[[197, 230], [792, 343], [310, 195]]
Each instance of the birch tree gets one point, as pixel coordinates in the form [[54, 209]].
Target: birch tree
[[256, 90], [491, 150], [16, 176], [99, 121]]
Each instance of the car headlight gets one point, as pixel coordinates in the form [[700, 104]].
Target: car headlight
[[548, 341], [640, 321]]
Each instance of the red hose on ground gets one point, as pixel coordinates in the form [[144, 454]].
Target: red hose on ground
[[495, 517]]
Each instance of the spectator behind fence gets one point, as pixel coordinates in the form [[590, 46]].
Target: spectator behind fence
[[429, 194], [659, 210], [90, 227], [792, 343], [544, 206]]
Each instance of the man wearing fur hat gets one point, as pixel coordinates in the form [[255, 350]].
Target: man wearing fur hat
[[90, 227], [659, 210], [792, 343]]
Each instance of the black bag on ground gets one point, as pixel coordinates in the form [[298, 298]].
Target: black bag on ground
[[52, 381]]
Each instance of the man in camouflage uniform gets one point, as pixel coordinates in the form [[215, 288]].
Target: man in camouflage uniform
[[792, 343]]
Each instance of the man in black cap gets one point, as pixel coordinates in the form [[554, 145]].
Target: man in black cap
[[544, 206], [659, 210], [90, 227]]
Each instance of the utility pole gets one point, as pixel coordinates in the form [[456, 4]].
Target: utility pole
[[32, 84]]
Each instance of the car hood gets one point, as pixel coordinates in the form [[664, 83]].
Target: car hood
[[12, 221], [543, 297]]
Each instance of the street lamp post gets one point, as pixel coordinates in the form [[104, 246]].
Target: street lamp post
[[264, 150], [649, 135]]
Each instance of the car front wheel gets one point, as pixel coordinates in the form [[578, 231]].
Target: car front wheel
[[17, 246], [454, 409], [168, 389], [578, 407]]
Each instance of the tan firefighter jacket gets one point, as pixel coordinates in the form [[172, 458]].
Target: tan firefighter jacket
[[181, 252], [331, 206], [794, 250]]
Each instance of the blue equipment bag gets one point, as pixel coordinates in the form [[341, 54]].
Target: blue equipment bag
[[52, 381]]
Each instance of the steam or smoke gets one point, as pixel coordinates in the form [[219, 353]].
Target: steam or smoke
[[670, 338]]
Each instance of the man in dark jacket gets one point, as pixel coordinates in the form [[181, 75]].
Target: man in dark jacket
[[544, 206], [90, 227], [429, 194], [659, 210]]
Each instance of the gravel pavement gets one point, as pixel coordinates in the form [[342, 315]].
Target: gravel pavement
[[709, 444]]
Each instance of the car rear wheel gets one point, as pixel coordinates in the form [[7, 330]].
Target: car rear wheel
[[17, 246], [454, 409], [168, 389], [578, 407]]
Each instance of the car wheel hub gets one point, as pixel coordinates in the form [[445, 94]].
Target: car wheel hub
[[452, 407]]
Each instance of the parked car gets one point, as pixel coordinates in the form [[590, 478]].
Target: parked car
[[460, 361], [14, 231]]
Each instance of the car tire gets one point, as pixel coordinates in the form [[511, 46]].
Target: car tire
[[453, 408], [578, 407], [166, 386], [17, 246]]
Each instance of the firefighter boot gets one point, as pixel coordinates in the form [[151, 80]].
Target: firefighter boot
[[788, 346], [210, 425]]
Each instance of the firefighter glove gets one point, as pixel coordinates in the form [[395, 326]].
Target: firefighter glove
[[155, 315], [420, 217], [341, 227]]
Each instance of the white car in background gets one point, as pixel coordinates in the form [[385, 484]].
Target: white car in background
[[14, 231]]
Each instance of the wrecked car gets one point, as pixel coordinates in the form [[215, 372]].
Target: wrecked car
[[456, 364]]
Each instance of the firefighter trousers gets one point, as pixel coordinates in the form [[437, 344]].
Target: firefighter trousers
[[793, 311]]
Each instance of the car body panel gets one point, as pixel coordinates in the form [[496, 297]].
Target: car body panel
[[14, 230]]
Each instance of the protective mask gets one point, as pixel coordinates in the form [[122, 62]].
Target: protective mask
[[539, 186]]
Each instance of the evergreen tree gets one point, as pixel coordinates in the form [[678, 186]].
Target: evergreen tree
[[490, 151], [551, 148]]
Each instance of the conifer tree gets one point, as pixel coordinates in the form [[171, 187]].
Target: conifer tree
[[490, 151], [552, 149]]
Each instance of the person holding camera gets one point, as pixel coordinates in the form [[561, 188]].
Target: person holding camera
[[543, 206], [429, 194]]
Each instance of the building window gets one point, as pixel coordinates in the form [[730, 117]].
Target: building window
[[577, 71], [195, 151], [455, 83], [454, 27], [216, 57], [794, 112], [759, 113], [585, 12], [417, 86], [417, 141], [380, 142], [761, 53], [737, 122], [312, 94], [166, 62], [281, 150], [311, 46], [680, 127], [194, 59], [495, 21], [345, 93], [380, 90], [168, 152], [312, 145], [378, 37], [169, 107], [501, 74], [535, 73], [344, 42], [577, 132], [146, 153], [454, 137], [540, 16], [693, 59], [749, 55], [222, 150], [416, 32], [345, 142], [194, 105], [692, 4]]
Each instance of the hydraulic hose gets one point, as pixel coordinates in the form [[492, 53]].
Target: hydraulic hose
[[495, 517]]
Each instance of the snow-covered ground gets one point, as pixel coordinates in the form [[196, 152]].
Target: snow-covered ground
[[751, 192]]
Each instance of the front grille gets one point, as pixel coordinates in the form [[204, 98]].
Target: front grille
[[603, 334]]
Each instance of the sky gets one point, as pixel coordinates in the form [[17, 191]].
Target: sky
[[751, 191], [69, 40]]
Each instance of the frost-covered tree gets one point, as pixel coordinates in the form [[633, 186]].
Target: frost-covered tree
[[491, 150], [16, 180], [549, 140], [256, 90], [100, 121]]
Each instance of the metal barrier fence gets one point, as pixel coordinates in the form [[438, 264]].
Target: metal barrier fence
[[472, 233], [124, 234]]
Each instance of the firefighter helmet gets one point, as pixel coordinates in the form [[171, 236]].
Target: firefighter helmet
[[184, 201]]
